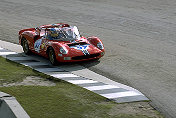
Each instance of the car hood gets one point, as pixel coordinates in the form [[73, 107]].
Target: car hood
[[81, 48]]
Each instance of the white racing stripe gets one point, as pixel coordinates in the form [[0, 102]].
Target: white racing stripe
[[93, 88], [63, 75], [7, 53], [120, 94], [81, 81]]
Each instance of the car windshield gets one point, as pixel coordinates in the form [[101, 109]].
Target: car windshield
[[67, 34]]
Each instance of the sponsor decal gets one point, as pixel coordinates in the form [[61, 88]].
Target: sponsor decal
[[43, 45]]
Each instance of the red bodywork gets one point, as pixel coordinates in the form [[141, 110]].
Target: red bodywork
[[34, 35]]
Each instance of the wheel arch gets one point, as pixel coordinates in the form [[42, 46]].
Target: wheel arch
[[22, 39], [48, 48], [94, 40]]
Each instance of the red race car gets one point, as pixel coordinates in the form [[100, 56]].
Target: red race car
[[60, 43]]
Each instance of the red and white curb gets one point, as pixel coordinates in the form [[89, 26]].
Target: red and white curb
[[74, 74]]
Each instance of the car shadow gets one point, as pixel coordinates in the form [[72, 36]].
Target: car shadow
[[87, 63], [70, 66]]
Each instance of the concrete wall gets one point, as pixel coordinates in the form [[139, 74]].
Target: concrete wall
[[10, 108], [5, 111]]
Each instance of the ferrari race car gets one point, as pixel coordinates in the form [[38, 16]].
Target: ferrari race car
[[60, 43]]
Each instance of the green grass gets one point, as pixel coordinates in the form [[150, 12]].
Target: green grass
[[12, 72], [64, 100]]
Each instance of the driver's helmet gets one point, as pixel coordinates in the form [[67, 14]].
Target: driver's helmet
[[53, 32], [69, 32]]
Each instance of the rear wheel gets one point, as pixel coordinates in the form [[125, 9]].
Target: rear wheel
[[25, 46], [52, 56]]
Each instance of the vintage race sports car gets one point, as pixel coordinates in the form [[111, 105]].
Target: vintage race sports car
[[60, 43]]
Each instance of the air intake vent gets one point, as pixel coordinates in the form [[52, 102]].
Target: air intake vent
[[86, 56], [80, 43]]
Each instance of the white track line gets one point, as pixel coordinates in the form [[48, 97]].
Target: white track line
[[120, 94], [93, 88], [7, 53], [63, 75], [82, 81]]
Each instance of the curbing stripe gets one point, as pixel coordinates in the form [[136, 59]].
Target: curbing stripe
[[73, 78], [49, 70], [92, 84], [130, 98], [58, 73], [33, 63], [15, 55], [120, 94], [7, 53], [63, 75], [93, 88], [81, 81], [26, 61], [42, 66], [19, 58], [4, 50], [113, 90]]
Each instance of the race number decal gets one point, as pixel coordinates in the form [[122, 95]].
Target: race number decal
[[37, 45]]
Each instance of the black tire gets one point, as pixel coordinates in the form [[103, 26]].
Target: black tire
[[52, 56], [25, 46]]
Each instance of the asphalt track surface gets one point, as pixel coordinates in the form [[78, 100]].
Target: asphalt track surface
[[139, 38]]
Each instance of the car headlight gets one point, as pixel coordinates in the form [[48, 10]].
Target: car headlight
[[100, 45], [63, 50]]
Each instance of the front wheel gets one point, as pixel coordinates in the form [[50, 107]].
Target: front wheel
[[25, 47], [52, 56]]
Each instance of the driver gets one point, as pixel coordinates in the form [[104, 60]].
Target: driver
[[52, 34]]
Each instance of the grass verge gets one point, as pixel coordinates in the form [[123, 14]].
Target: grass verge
[[11, 72], [64, 100]]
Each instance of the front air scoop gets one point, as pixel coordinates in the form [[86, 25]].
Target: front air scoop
[[76, 44]]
